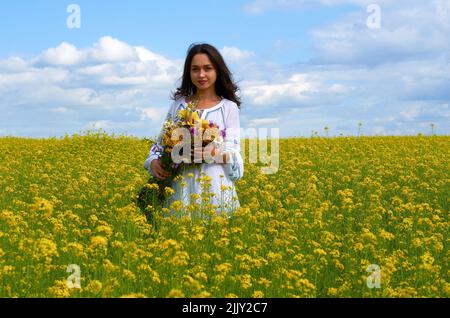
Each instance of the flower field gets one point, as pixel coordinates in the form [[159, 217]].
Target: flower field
[[342, 217]]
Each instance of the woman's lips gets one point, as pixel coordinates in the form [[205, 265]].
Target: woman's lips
[[202, 82]]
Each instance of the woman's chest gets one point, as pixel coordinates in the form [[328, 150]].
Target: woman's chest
[[217, 116]]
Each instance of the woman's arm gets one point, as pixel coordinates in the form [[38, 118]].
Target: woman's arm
[[234, 165], [155, 153]]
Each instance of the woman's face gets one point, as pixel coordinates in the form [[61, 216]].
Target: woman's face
[[203, 73]]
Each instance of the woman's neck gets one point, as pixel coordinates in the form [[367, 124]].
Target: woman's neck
[[209, 95]]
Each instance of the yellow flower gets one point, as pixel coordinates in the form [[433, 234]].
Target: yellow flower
[[332, 291], [205, 124], [176, 206], [386, 235], [107, 230], [223, 268], [265, 282], [181, 258], [84, 180], [258, 294], [202, 276], [273, 257], [175, 293], [427, 258], [320, 252], [152, 186], [358, 247], [245, 280], [169, 191], [184, 113], [59, 289], [109, 266], [75, 248], [129, 275], [191, 118], [94, 287], [191, 283], [43, 205], [99, 241], [45, 248]]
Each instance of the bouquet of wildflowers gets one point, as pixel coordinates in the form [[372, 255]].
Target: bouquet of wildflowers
[[179, 137], [184, 133]]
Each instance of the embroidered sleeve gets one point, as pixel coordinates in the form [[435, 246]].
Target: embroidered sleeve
[[232, 145]]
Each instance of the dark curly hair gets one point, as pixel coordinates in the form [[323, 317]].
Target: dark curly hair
[[224, 84]]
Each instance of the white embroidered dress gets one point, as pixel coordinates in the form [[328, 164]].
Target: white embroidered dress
[[226, 115]]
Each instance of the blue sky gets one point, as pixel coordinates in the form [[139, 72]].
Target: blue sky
[[301, 64], [166, 27]]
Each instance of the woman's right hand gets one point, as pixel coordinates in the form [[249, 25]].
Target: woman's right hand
[[158, 170]]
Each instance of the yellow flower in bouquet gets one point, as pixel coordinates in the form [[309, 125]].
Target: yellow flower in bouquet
[[188, 116], [205, 124]]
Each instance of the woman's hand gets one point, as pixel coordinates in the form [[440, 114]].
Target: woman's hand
[[158, 170]]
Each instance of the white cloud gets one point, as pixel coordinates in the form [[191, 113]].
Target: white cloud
[[13, 64], [148, 56], [118, 80], [109, 62], [148, 69], [156, 115], [108, 49], [411, 31], [296, 87], [65, 54], [111, 80], [234, 54], [32, 76], [96, 70]]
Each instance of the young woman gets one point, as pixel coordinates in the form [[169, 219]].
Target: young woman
[[207, 79]]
